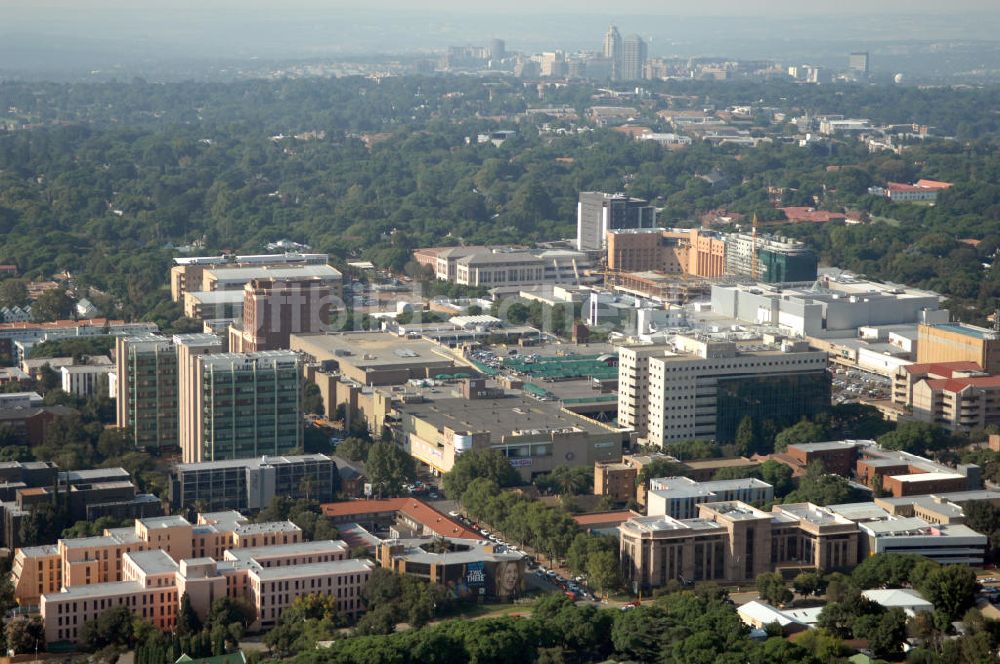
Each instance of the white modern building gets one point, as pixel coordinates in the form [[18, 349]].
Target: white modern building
[[826, 311], [679, 497], [703, 388], [946, 544], [84, 379]]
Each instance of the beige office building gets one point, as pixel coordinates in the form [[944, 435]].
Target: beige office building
[[535, 436], [375, 358], [732, 542], [958, 342]]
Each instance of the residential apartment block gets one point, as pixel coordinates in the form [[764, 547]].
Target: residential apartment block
[[958, 396], [149, 568], [274, 309]]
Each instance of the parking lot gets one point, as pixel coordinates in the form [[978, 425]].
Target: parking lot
[[851, 385]]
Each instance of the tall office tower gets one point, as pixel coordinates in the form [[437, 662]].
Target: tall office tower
[[597, 213], [274, 309], [859, 63], [613, 51], [146, 368], [498, 50], [634, 54], [189, 348], [633, 385], [779, 259], [704, 388], [247, 405]]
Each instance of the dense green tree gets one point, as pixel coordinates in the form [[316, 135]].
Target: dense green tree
[[354, 449], [808, 583], [951, 588], [603, 571], [914, 437], [25, 635], [113, 627], [388, 467], [487, 464], [188, 621], [772, 588], [804, 431], [55, 304]]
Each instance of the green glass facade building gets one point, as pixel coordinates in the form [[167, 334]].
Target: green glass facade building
[[147, 393], [250, 404], [782, 399]]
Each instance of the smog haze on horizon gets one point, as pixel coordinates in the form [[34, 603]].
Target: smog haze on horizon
[[67, 40]]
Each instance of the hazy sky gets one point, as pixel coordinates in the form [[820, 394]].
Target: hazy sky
[[621, 7], [56, 35]]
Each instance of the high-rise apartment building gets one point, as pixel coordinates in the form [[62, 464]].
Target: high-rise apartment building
[[189, 348], [247, 404], [146, 368], [275, 309], [634, 54], [613, 51], [699, 388], [598, 212]]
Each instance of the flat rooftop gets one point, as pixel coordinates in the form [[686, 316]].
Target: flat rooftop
[[829, 446], [154, 561], [97, 590], [813, 514], [267, 527], [278, 550], [349, 566], [658, 524], [474, 551], [244, 274], [914, 527], [371, 349], [501, 417], [255, 462], [859, 511], [216, 297], [164, 522], [916, 478], [968, 330]]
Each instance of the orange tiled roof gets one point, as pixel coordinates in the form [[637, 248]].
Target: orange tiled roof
[[417, 510]]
